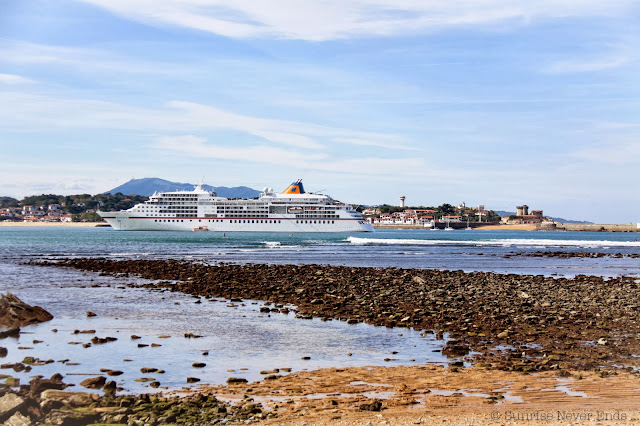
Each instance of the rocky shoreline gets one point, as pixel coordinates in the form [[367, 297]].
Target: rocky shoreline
[[577, 254], [44, 401], [507, 322]]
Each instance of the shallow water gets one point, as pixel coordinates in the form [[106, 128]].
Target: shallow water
[[237, 336]]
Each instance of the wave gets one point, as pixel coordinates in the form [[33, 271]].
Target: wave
[[495, 242]]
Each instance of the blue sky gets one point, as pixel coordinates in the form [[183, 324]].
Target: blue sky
[[488, 102]]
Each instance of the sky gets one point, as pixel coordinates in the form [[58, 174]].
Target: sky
[[491, 102]]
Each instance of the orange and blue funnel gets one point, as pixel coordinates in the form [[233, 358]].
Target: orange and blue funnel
[[295, 188]]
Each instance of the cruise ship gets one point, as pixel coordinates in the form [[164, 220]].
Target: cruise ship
[[293, 210]]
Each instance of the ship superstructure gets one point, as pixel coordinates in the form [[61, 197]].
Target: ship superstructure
[[293, 210]]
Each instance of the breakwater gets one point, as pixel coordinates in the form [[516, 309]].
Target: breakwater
[[585, 322], [596, 227]]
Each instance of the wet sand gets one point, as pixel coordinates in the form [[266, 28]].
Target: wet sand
[[430, 394]]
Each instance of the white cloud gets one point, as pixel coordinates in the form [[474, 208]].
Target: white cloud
[[195, 146], [334, 19], [11, 79], [36, 111], [587, 65], [198, 147], [387, 143], [278, 142], [618, 153]]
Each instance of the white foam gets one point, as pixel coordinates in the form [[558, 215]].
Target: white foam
[[497, 242]]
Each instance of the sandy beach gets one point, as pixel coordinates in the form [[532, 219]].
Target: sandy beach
[[55, 224], [507, 228]]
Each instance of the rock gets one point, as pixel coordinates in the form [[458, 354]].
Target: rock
[[39, 385], [91, 314], [114, 373], [145, 370], [72, 418], [76, 399], [101, 340], [273, 377], [236, 380], [192, 379], [12, 382], [373, 406], [9, 404], [3, 352], [154, 384], [18, 420], [15, 313], [94, 382], [11, 332], [198, 365], [109, 388]]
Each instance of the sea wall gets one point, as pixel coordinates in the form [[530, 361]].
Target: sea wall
[[597, 227]]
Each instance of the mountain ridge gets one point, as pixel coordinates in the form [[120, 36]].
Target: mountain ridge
[[147, 186]]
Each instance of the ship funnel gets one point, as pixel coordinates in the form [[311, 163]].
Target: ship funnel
[[295, 188]]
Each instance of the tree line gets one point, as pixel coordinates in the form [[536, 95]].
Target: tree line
[[77, 204]]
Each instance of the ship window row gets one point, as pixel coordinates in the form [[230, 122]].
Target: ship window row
[[168, 220], [316, 221], [255, 221]]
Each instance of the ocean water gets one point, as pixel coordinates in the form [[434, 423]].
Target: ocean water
[[238, 340]]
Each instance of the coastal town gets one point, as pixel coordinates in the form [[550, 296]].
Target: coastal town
[[82, 209]]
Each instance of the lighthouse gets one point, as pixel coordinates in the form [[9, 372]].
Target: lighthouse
[[402, 198]]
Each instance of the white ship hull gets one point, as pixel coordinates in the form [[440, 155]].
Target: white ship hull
[[123, 222], [291, 211]]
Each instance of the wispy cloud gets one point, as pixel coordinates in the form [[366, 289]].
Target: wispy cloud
[[386, 144], [335, 19], [624, 151], [587, 65], [43, 111], [11, 79], [196, 146]]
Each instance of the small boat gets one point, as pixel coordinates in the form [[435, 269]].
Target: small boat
[[448, 228], [294, 209], [200, 228]]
